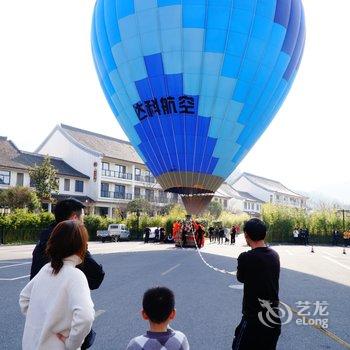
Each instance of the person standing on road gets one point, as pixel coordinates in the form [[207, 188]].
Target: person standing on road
[[183, 237], [211, 233], [68, 209], [335, 237], [295, 236], [221, 235], [56, 302], [259, 270], [306, 236], [233, 234], [147, 231], [156, 235], [162, 234]]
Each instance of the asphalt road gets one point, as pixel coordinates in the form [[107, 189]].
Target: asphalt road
[[208, 303]]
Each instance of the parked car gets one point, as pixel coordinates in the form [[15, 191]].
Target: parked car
[[114, 233]]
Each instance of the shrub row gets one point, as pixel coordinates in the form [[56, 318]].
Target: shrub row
[[281, 222], [22, 227]]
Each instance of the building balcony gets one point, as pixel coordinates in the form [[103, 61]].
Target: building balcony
[[116, 195], [146, 178], [117, 175], [153, 199]]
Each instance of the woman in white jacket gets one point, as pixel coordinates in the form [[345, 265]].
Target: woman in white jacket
[[57, 302]]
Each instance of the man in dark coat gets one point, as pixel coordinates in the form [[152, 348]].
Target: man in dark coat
[[259, 271], [233, 234], [146, 231], [68, 209]]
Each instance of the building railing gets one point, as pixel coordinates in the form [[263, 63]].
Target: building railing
[[154, 199], [145, 178], [116, 195], [117, 174]]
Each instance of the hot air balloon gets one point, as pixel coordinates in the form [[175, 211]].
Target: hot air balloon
[[195, 83]]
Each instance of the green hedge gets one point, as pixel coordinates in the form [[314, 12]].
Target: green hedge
[[281, 222], [23, 227]]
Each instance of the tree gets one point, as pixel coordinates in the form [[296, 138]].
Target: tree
[[19, 198], [138, 205], [215, 209], [44, 179]]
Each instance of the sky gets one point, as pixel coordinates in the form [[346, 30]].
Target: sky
[[47, 77]]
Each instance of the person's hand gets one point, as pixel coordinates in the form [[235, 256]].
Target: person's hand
[[61, 337]]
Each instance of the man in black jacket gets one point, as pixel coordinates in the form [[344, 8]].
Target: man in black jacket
[[68, 209], [259, 270]]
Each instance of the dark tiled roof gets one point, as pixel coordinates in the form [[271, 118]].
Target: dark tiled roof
[[225, 190], [108, 146], [12, 157], [248, 196], [269, 185], [82, 199]]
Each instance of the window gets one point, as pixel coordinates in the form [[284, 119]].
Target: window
[[104, 189], [149, 194], [137, 174], [137, 192], [175, 197], [245, 205], [105, 166], [4, 177], [162, 196], [120, 168], [225, 203], [20, 179], [79, 186], [119, 191], [271, 198], [67, 184]]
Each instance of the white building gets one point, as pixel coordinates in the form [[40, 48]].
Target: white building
[[238, 201], [15, 165], [268, 191], [117, 173], [106, 173]]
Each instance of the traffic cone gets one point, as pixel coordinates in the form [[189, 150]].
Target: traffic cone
[[344, 251], [312, 249]]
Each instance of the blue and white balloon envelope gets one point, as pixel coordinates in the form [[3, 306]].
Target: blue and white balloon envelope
[[195, 83]]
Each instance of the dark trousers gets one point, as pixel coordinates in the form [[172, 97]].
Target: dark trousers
[[89, 340], [233, 239], [253, 335]]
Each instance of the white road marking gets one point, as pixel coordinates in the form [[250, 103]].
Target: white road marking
[[12, 265], [336, 262], [289, 252], [236, 286], [99, 313], [171, 269], [329, 254], [14, 279]]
